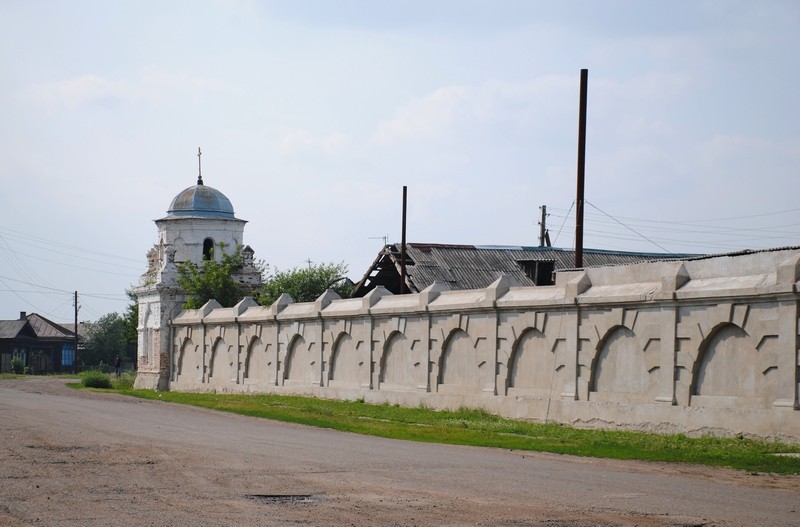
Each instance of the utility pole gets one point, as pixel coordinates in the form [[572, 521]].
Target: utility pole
[[75, 360], [544, 234], [581, 170], [403, 246]]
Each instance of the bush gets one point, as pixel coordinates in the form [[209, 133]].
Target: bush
[[17, 365], [95, 379]]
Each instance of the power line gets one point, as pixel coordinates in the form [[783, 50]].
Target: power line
[[19, 265], [75, 266], [562, 223], [28, 302], [703, 220], [701, 229], [26, 283], [35, 285], [685, 233], [787, 211], [65, 253], [19, 235], [682, 225], [57, 290], [632, 230]]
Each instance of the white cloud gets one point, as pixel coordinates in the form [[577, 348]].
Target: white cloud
[[78, 91], [335, 143], [301, 142], [295, 142], [536, 106], [160, 85], [245, 8], [427, 118], [152, 85], [746, 168]]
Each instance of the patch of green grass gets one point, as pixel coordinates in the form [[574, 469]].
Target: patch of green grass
[[480, 428], [12, 376], [125, 381]]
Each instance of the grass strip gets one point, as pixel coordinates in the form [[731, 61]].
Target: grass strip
[[480, 428]]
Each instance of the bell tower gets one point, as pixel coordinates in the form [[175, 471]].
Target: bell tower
[[199, 220]]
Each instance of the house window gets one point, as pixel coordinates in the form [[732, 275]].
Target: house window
[[67, 354], [208, 247]]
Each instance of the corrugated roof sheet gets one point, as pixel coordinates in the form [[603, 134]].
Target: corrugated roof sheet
[[476, 267]]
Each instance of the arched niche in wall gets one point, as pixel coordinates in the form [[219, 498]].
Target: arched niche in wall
[[255, 362], [397, 365], [623, 366], [219, 365], [345, 368], [731, 365], [299, 367], [531, 365], [146, 338], [189, 364], [458, 368]]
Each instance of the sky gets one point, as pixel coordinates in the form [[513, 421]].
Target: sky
[[313, 114]]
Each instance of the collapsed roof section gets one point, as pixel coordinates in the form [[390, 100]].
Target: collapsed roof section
[[477, 266]]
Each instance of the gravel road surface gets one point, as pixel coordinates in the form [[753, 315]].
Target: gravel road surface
[[76, 458]]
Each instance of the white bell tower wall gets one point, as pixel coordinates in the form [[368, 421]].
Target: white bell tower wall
[[189, 235]]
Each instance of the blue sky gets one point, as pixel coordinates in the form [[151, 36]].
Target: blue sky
[[312, 115]]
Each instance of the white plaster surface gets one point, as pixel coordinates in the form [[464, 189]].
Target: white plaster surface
[[602, 347]]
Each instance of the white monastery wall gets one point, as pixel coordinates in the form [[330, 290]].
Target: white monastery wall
[[702, 346]]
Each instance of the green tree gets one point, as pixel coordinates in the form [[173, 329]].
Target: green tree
[[131, 320], [212, 280], [105, 340], [306, 284]]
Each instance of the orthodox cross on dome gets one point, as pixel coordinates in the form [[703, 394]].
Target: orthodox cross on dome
[[199, 167]]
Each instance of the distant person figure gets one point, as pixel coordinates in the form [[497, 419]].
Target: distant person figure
[[117, 366]]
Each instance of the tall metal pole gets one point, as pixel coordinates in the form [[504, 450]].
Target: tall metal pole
[[75, 360], [581, 170], [403, 246]]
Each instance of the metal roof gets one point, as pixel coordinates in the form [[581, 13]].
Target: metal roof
[[477, 266], [16, 329], [201, 200], [45, 328]]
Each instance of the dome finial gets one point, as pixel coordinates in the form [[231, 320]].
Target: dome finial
[[199, 167]]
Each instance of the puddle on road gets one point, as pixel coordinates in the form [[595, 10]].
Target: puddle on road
[[284, 498]]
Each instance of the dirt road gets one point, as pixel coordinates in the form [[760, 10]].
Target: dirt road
[[70, 458]]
